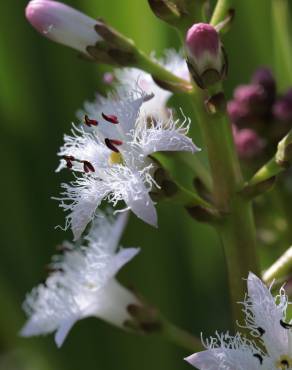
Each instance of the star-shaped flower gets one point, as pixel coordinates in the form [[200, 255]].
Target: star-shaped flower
[[266, 319], [112, 151], [82, 284]]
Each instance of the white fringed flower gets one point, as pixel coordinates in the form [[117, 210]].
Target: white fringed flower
[[266, 320], [82, 284], [133, 77], [112, 147]]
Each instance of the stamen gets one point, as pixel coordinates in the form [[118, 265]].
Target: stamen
[[259, 357], [88, 167], [111, 144], [90, 122], [69, 159], [110, 118], [285, 325], [261, 331]]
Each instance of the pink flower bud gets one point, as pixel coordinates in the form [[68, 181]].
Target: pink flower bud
[[238, 113], [248, 143], [282, 109], [62, 24], [206, 58]]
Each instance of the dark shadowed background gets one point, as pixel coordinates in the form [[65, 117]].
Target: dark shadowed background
[[180, 268]]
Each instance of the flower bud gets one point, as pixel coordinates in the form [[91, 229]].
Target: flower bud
[[63, 24], [248, 143], [252, 97], [207, 60], [264, 77], [282, 109], [238, 113], [69, 27]]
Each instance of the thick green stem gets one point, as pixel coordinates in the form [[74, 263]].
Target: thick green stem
[[220, 11], [180, 337], [236, 229]]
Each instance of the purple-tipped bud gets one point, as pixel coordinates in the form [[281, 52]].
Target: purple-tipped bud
[[250, 95], [264, 77], [62, 24], [282, 109], [254, 98], [238, 112], [206, 58], [247, 142]]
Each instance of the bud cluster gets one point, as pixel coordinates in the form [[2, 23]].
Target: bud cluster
[[259, 115]]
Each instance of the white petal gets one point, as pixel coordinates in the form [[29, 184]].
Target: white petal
[[265, 312], [84, 196], [167, 135], [132, 186], [115, 300], [108, 233], [83, 146], [120, 259], [63, 331], [124, 105], [135, 78], [224, 359], [143, 207]]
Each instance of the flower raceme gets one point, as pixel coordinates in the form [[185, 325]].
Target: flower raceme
[[83, 284], [111, 153], [266, 320]]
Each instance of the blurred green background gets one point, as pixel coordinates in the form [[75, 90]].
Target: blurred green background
[[181, 267]]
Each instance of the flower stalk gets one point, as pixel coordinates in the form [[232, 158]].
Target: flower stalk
[[236, 228], [280, 268]]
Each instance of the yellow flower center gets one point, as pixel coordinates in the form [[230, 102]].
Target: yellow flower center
[[284, 363], [115, 158]]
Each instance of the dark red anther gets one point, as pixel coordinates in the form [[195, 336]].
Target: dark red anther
[[111, 144], [90, 122], [69, 159], [88, 167], [110, 118]]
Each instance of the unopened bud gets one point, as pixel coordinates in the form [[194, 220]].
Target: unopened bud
[[264, 77], [93, 38], [63, 24], [238, 112], [282, 109], [253, 97], [207, 60], [247, 142]]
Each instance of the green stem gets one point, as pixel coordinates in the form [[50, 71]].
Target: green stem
[[280, 162], [157, 70], [180, 337], [220, 11], [282, 42], [236, 229], [280, 269]]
